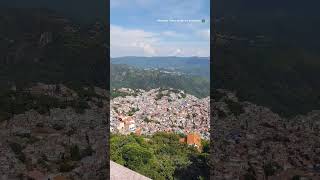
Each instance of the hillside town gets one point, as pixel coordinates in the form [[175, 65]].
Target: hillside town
[[252, 142], [56, 142], [159, 110]]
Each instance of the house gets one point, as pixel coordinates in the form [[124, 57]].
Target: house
[[120, 126], [126, 124], [138, 131], [192, 139]]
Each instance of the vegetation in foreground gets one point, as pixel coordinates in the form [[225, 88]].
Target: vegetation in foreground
[[160, 156]]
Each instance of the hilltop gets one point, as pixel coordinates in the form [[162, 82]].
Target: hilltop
[[196, 66], [124, 76]]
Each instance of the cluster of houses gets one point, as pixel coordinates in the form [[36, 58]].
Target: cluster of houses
[[157, 110]]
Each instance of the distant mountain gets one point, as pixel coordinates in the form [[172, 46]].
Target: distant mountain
[[198, 66], [124, 76]]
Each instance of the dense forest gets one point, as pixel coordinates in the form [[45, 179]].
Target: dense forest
[[160, 156], [137, 78]]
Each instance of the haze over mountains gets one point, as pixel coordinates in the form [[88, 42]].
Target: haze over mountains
[[198, 66], [159, 73]]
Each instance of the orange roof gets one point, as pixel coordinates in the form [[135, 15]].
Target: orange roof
[[193, 139], [138, 131]]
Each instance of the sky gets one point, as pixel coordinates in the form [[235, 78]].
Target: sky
[[141, 28]]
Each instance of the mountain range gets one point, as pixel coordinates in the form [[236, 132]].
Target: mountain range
[[198, 66], [125, 76]]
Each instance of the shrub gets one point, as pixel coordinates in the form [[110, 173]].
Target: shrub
[[66, 166], [249, 176], [87, 152], [296, 177], [75, 153], [17, 149], [80, 106], [57, 126], [271, 168], [146, 120], [216, 95], [235, 107]]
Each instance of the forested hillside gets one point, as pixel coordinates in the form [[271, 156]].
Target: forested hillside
[[198, 66], [124, 76]]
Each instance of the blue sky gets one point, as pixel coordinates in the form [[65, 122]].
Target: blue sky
[[136, 31]]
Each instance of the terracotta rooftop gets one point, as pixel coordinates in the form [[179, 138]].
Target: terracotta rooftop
[[193, 139]]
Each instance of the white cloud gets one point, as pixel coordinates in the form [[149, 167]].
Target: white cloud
[[131, 41], [177, 52], [173, 35], [205, 34], [137, 42], [147, 48]]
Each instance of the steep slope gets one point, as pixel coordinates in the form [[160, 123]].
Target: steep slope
[[130, 77]]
